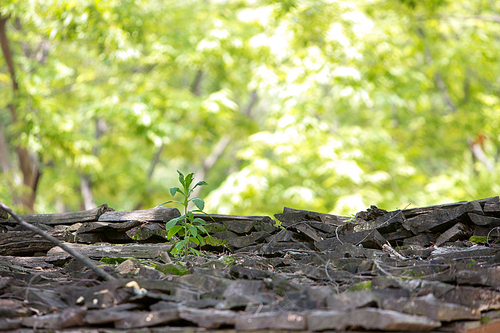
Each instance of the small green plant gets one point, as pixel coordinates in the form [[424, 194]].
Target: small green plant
[[192, 228]]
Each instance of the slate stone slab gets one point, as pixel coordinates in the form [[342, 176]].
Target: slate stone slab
[[148, 231], [430, 307], [449, 253], [283, 236], [458, 231], [157, 214], [100, 317], [241, 224], [310, 232], [147, 319], [90, 227], [243, 241], [271, 321], [397, 236], [412, 212], [148, 251], [26, 243], [441, 219], [328, 244], [64, 218], [351, 300], [291, 216], [481, 220], [209, 318], [423, 240], [480, 299], [389, 222], [368, 238], [489, 277], [492, 208], [276, 249], [369, 319]]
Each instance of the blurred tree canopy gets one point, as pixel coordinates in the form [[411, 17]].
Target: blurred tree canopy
[[328, 106]]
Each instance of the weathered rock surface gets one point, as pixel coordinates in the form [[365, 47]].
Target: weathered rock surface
[[411, 270]]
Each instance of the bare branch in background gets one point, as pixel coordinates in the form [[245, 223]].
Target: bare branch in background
[[437, 76], [29, 169], [478, 153]]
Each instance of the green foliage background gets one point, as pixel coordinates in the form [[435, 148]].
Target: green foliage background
[[328, 106]]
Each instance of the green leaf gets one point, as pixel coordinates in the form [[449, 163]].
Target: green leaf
[[181, 178], [202, 241], [180, 245], [174, 190], [166, 202], [200, 183], [202, 212], [200, 221], [173, 222], [202, 229], [174, 230], [194, 251], [194, 240], [198, 203], [188, 180], [193, 230]]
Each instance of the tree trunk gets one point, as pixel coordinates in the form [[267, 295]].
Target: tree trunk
[[29, 169]]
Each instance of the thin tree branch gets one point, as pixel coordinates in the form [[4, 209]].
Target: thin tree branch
[[437, 76], [7, 53], [83, 258], [211, 159], [31, 174], [487, 18]]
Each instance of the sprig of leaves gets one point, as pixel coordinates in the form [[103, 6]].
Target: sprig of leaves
[[191, 227]]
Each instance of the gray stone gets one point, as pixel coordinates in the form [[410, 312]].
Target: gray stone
[[423, 240], [239, 227], [240, 272], [50, 321], [328, 244], [205, 283], [158, 214], [89, 227], [351, 300], [283, 235], [99, 317], [368, 238], [244, 287], [398, 235], [276, 249], [147, 319], [309, 231], [387, 223], [210, 318], [458, 232], [10, 324], [307, 298], [369, 319], [440, 220], [452, 252], [129, 267], [148, 231], [244, 241], [483, 220], [492, 208], [489, 277], [429, 306], [272, 321]]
